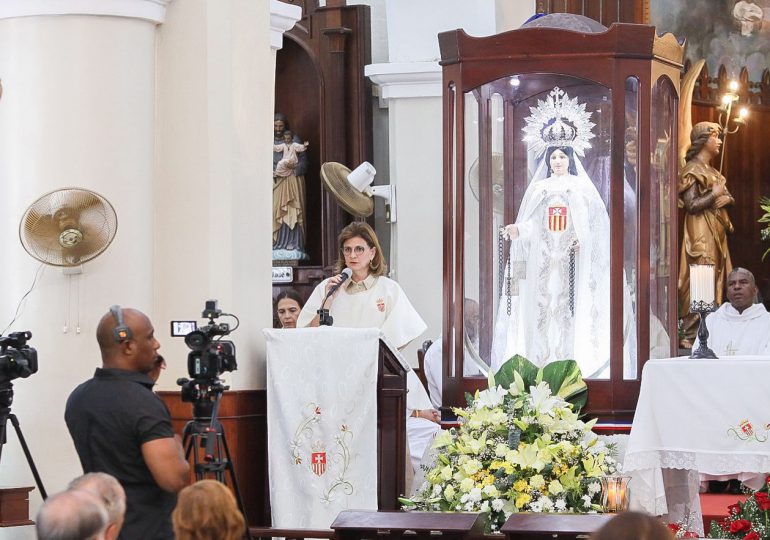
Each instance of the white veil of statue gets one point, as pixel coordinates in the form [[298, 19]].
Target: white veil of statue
[[555, 302]]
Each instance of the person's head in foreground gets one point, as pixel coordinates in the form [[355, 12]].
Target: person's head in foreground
[[112, 495], [72, 515], [207, 510], [633, 526]]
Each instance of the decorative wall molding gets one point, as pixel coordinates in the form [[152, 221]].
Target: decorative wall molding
[[405, 80], [282, 18], [148, 10]]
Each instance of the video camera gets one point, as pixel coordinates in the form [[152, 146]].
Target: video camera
[[17, 359], [209, 357]]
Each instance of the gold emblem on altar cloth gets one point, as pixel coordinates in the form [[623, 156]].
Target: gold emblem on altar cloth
[[557, 218]]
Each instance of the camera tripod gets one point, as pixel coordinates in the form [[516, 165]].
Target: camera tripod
[[6, 398], [204, 437]]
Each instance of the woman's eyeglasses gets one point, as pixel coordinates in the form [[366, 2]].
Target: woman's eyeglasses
[[358, 250]]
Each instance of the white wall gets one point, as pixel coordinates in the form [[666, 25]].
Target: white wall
[[77, 110], [214, 112]]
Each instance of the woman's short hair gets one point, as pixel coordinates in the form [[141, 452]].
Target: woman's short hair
[[361, 229], [633, 526], [206, 510], [570, 154]]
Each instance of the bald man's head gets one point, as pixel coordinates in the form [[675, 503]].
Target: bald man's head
[[112, 495], [71, 515], [137, 353], [741, 289]]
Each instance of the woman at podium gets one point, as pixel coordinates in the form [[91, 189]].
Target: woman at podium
[[368, 299], [359, 295]]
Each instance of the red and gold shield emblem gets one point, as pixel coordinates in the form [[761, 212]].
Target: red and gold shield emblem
[[318, 462], [557, 218]]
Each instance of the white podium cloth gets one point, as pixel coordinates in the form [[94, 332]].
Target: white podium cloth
[[704, 416], [322, 423]]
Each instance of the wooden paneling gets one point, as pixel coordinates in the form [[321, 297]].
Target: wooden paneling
[[604, 11], [243, 416], [321, 87]]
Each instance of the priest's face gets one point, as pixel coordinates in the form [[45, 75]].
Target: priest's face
[[741, 290]]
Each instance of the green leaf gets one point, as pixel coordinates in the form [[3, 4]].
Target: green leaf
[[566, 381], [505, 376], [407, 502], [563, 376]]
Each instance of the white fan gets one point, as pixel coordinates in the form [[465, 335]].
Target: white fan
[[498, 181]]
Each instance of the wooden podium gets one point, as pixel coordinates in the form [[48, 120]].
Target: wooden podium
[[391, 428], [333, 369]]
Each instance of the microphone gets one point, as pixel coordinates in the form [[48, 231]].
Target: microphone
[[323, 314], [346, 273]]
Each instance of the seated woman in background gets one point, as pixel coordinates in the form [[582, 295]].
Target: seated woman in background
[[287, 306], [369, 299], [206, 510]]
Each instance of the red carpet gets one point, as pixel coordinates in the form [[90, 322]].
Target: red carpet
[[714, 506]]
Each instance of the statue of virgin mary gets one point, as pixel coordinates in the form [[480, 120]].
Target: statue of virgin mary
[[555, 302]]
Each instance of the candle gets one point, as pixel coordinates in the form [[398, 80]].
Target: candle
[[615, 496], [702, 283]]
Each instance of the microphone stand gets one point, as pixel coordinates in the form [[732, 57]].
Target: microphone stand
[[324, 317]]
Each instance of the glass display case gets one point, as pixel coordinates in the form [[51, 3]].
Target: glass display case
[[558, 206]]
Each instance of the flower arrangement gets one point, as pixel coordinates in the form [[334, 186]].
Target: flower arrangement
[[747, 520], [519, 448]]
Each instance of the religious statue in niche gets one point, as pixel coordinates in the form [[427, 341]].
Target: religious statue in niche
[[703, 194], [289, 168], [555, 303]]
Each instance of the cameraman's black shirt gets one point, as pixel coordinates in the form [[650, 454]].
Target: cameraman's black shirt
[[109, 418]]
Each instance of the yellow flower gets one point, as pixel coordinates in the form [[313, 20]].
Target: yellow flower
[[555, 487], [449, 492], [443, 438], [471, 467], [466, 485], [446, 473], [537, 481], [522, 499], [521, 485], [488, 480], [593, 465]]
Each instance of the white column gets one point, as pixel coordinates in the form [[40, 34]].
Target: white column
[[216, 79], [77, 110]]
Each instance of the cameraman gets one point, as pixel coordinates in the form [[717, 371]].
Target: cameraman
[[120, 427]]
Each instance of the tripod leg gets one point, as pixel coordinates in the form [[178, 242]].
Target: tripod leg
[[236, 489], [28, 455]]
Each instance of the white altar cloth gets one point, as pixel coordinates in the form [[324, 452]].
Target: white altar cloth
[[707, 416], [322, 423]]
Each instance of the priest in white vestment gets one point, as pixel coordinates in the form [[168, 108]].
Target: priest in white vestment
[[739, 326], [369, 299]]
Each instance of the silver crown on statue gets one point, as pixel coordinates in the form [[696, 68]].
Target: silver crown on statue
[[559, 134], [559, 121]]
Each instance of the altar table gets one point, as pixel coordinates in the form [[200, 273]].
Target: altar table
[[709, 417]]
